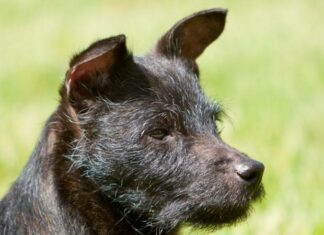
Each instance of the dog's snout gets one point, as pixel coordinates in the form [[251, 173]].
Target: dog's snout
[[250, 171]]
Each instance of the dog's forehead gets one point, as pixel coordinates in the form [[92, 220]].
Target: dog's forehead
[[170, 77], [173, 82]]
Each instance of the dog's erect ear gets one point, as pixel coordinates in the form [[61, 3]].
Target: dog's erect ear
[[88, 76], [189, 37]]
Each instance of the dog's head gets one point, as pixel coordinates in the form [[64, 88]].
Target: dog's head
[[149, 138]]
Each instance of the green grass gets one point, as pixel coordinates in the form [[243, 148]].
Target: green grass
[[267, 69]]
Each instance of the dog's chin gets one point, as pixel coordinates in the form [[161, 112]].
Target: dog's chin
[[212, 216]]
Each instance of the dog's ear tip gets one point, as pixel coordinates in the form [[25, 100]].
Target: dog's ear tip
[[85, 75], [122, 37], [218, 13], [99, 48], [222, 10], [114, 40], [217, 10], [189, 37]]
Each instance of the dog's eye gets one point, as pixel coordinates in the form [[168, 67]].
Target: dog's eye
[[159, 134]]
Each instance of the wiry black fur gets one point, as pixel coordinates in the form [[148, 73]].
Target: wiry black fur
[[98, 169]]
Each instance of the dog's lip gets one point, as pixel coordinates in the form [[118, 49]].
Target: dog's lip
[[258, 193]]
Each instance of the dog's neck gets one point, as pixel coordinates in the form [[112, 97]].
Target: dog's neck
[[73, 193]]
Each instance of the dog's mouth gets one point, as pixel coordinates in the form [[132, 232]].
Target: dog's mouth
[[234, 209], [206, 212], [258, 193]]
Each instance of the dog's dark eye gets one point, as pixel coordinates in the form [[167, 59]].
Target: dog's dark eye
[[159, 134]]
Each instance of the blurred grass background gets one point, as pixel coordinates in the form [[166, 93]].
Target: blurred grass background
[[267, 68]]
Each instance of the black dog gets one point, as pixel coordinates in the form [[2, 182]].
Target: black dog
[[134, 146]]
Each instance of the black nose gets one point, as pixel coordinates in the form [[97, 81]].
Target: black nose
[[250, 171]]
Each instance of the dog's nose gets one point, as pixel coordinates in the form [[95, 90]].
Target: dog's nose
[[250, 171]]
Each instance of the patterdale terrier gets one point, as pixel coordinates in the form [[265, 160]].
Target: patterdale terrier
[[134, 146]]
